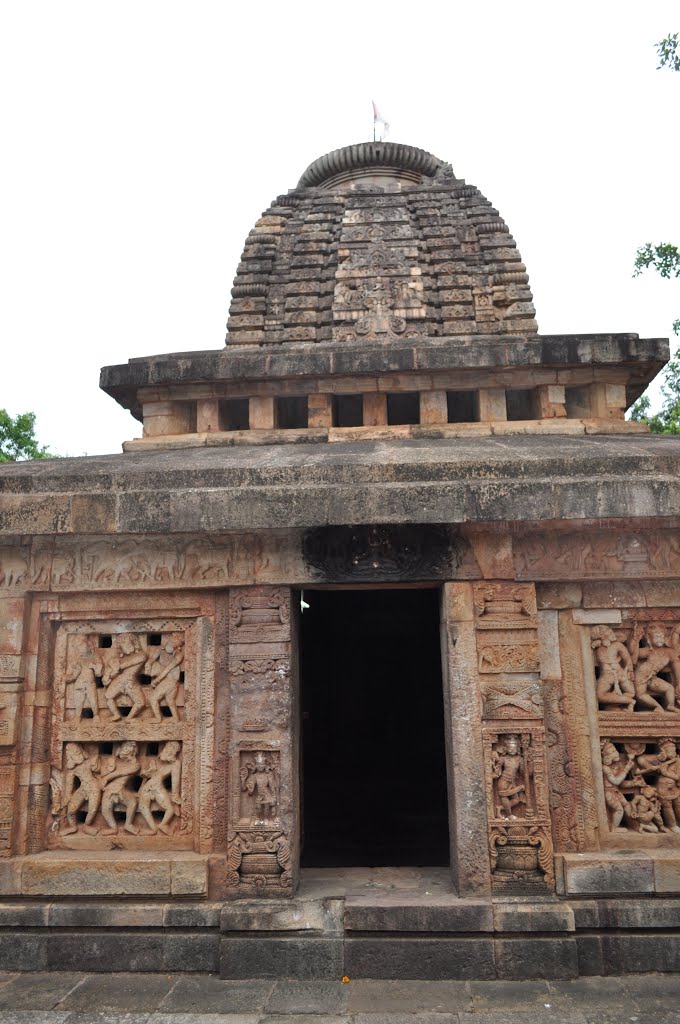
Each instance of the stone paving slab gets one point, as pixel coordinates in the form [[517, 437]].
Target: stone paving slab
[[408, 996], [68, 998], [38, 991], [329, 997], [208, 994], [118, 993]]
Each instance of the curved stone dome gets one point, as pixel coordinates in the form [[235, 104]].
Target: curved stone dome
[[379, 241]]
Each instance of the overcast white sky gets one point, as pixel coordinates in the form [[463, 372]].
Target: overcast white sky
[[141, 140]]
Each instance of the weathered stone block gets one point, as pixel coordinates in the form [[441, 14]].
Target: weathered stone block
[[558, 595], [666, 872], [421, 916], [278, 916], [10, 877], [23, 951], [105, 915], [265, 957], [532, 957], [189, 876], [622, 594], [49, 875], [607, 873], [594, 616], [532, 917], [419, 958], [635, 954], [102, 951], [191, 952]]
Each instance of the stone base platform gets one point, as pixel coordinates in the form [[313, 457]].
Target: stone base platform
[[382, 924]]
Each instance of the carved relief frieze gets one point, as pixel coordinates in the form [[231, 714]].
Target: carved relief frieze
[[552, 556], [97, 564], [127, 701], [7, 783], [503, 606]]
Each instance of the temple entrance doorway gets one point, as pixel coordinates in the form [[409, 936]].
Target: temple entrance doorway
[[373, 750]]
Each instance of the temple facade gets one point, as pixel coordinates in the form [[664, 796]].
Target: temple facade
[[364, 657]]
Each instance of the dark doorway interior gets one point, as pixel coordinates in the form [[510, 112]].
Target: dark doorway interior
[[374, 765]]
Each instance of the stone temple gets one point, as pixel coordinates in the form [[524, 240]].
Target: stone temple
[[365, 657]]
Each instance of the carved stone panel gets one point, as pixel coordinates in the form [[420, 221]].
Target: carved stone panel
[[634, 682], [129, 701], [520, 841], [263, 800]]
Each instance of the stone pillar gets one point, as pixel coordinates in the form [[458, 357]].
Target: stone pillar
[[264, 805], [463, 724], [491, 405], [320, 410], [433, 407], [375, 409], [12, 610]]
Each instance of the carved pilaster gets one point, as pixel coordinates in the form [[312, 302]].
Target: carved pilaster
[[516, 789], [263, 786]]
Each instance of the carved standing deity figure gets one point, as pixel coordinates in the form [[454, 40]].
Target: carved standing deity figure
[[507, 769], [615, 685], [614, 772], [666, 764], [116, 777], [258, 779], [153, 788], [655, 656], [83, 673], [165, 680], [121, 676], [81, 767]]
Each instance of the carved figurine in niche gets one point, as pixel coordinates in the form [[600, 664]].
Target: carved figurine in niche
[[83, 673], [652, 656], [615, 771], [153, 790], [258, 779], [80, 767], [645, 811], [615, 680], [121, 676], [510, 770], [666, 764], [117, 774], [165, 679]]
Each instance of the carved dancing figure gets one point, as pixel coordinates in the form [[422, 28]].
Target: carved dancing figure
[[153, 789], [614, 772], [645, 811], [83, 674], [165, 681], [654, 657], [116, 781], [121, 677], [615, 683], [81, 767], [667, 764], [507, 765], [258, 778]]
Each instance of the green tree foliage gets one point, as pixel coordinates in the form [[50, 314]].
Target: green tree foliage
[[17, 438], [667, 420], [665, 260], [667, 50]]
